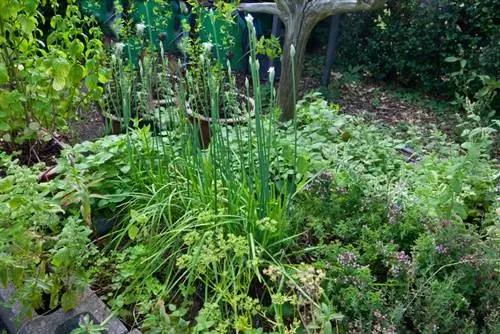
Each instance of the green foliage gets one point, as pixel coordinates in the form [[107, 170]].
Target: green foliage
[[316, 225], [269, 46], [400, 240], [408, 41], [87, 326], [94, 168], [387, 243], [42, 252], [210, 88], [41, 77], [476, 93]]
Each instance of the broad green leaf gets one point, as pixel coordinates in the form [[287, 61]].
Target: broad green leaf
[[327, 327], [16, 202], [133, 231], [345, 136], [6, 185], [35, 126], [59, 83], [76, 73], [302, 165], [339, 122], [102, 77], [460, 210], [91, 82], [28, 24], [125, 169], [61, 67], [102, 157], [76, 49]]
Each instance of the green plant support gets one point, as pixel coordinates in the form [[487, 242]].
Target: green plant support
[[235, 35], [159, 17]]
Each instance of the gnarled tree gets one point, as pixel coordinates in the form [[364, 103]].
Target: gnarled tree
[[299, 18]]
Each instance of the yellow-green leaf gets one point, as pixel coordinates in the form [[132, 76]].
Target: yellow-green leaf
[[133, 231], [59, 83]]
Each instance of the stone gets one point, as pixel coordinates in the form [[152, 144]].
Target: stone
[[59, 321]]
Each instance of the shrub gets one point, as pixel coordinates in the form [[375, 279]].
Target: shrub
[[408, 41], [41, 77]]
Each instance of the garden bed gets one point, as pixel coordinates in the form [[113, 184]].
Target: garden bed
[[350, 219]]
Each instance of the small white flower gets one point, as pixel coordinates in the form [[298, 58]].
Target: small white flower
[[139, 27], [20, 67], [228, 63], [249, 19], [207, 47], [292, 51], [119, 48], [271, 73]]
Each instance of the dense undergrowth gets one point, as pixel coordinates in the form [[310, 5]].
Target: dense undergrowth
[[321, 224], [344, 233]]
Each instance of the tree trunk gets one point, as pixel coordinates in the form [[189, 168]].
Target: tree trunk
[[298, 27]]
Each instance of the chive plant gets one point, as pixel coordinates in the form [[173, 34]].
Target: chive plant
[[176, 182]]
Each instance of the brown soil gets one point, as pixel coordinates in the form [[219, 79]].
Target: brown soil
[[89, 126], [31, 153], [376, 104]]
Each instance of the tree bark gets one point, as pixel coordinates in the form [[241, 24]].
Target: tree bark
[[298, 28]]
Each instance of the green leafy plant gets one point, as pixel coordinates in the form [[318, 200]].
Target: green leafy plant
[[87, 326], [318, 225], [396, 50], [42, 77], [269, 46], [43, 254], [476, 93], [209, 87]]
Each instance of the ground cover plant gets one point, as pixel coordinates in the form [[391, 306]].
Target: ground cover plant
[[322, 224]]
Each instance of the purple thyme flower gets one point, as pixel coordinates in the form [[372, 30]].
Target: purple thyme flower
[[402, 264], [347, 259], [402, 257], [320, 185], [394, 212], [441, 249]]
